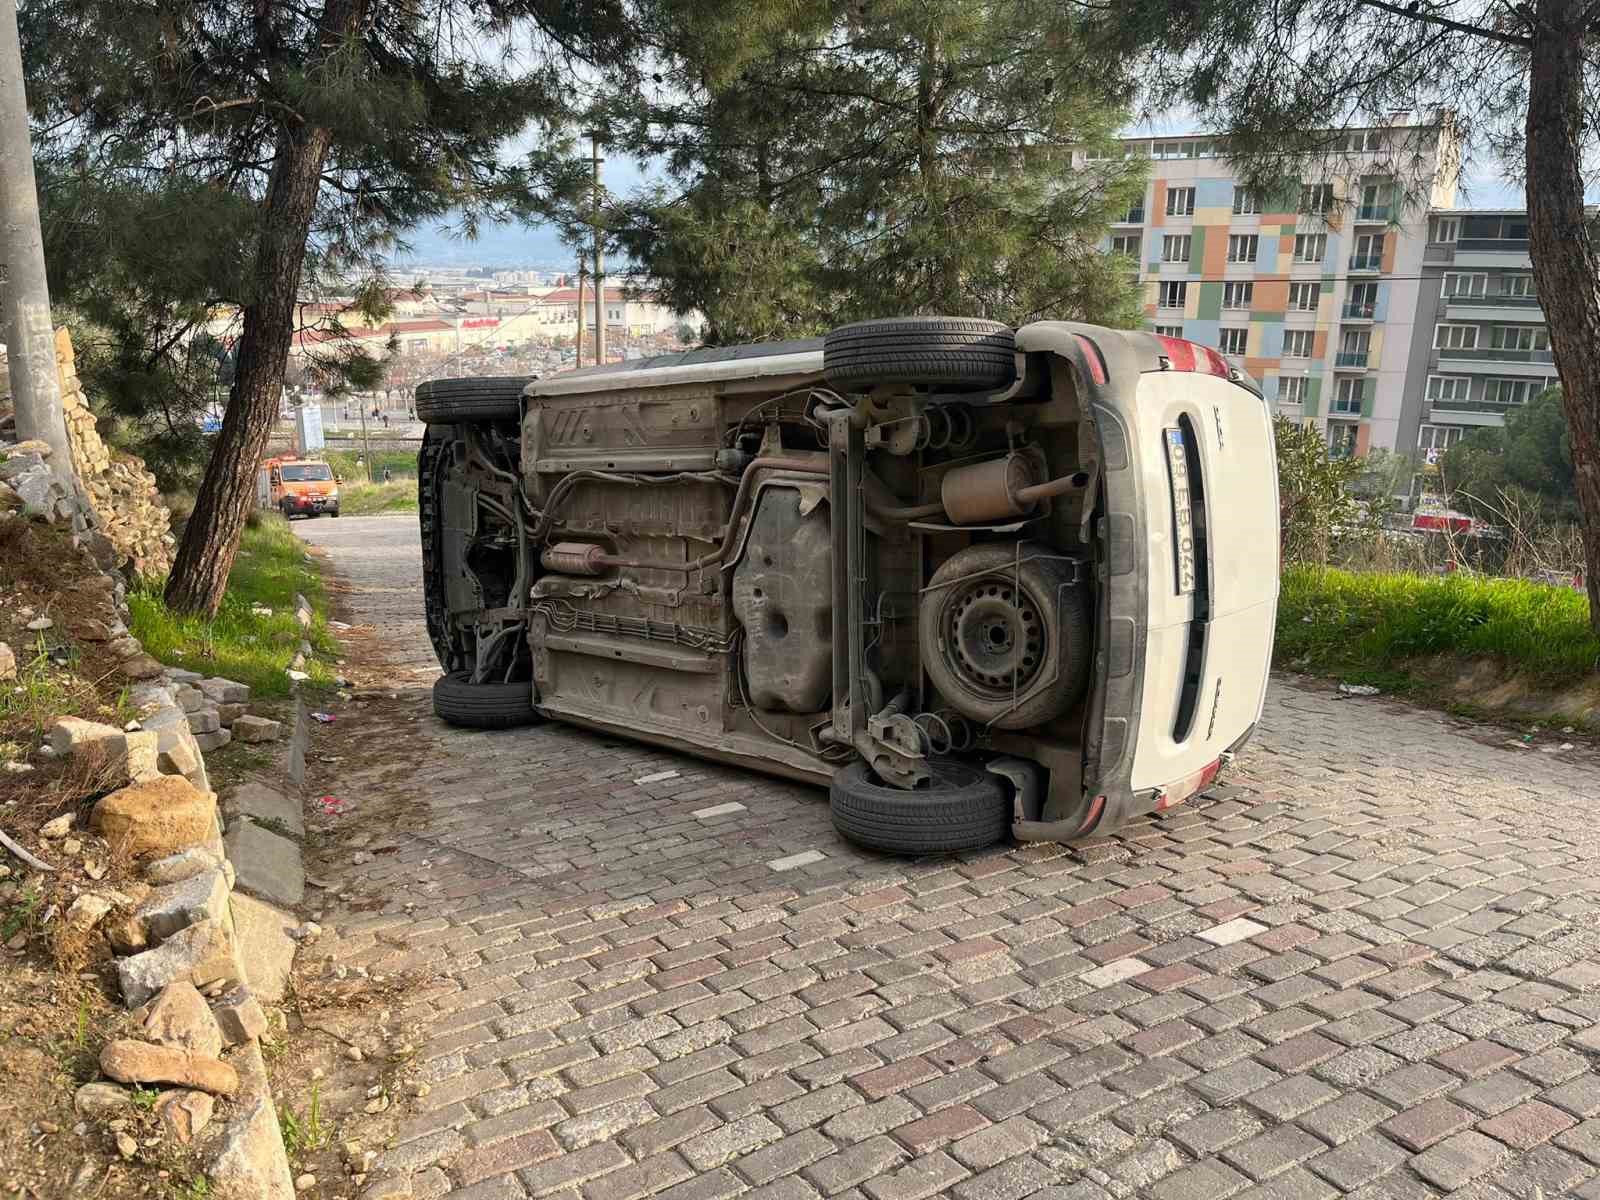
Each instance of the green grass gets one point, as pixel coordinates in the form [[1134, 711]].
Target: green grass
[[1365, 627], [304, 1134], [372, 499], [403, 463], [239, 644]]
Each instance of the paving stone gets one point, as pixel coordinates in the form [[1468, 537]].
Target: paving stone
[[1527, 1125], [1458, 1160], [683, 962], [1429, 1122]]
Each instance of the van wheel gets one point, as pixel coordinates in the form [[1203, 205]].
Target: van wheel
[[459, 701], [960, 354], [964, 808], [490, 398], [1005, 634]]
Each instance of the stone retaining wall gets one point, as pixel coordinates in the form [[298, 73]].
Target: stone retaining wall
[[123, 502]]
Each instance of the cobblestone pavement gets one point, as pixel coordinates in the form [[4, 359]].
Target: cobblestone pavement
[[1370, 973]]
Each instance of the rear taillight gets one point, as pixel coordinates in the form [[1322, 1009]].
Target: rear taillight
[[1182, 355], [1179, 792], [1091, 354]]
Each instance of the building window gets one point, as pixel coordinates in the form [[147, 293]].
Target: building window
[[1316, 198], [1245, 201], [1175, 331], [1364, 140], [1175, 248], [1341, 439], [1238, 295], [1444, 229], [1434, 440], [1512, 391], [1242, 247], [1516, 285], [1135, 213], [1465, 285], [1297, 343], [1448, 390], [1292, 389], [1455, 337], [1303, 296], [1233, 341], [1310, 247], [1438, 437], [1369, 252], [1167, 150], [1127, 243], [1174, 292], [1180, 202], [1347, 399], [1356, 341], [1519, 337]]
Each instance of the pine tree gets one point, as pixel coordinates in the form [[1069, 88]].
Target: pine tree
[[886, 158], [260, 151]]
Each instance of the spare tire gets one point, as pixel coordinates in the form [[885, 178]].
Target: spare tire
[[962, 354], [459, 701], [489, 398], [963, 808]]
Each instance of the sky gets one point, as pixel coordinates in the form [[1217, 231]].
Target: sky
[[518, 246]]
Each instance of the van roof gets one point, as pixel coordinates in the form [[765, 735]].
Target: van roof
[[800, 357]]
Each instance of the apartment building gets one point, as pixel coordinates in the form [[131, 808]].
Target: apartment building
[[1315, 293], [1479, 347]]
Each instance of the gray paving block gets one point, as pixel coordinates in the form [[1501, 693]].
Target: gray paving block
[[265, 806], [267, 863]]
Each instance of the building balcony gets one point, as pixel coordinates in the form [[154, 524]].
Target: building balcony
[[1369, 213], [1366, 262], [1359, 312], [1520, 363], [1468, 412], [1498, 245], [1492, 252], [1513, 310], [1352, 360], [1134, 216]]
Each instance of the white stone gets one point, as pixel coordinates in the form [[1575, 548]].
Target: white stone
[[719, 810], [1230, 932], [256, 729], [57, 826], [1114, 972], [804, 859], [40, 624], [657, 777], [225, 691]]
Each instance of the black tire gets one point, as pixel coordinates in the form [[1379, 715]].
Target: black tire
[[960, 354], [431, 465], [483, 705], [966, 808], [490, 398]]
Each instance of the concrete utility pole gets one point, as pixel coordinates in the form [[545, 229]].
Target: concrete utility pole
[[599, 260], [24, 291], [582, 269]]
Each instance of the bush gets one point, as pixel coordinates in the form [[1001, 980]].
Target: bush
[[1364, 625], [1314, 499]]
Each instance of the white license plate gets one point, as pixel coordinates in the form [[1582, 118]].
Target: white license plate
[[1182, 510]]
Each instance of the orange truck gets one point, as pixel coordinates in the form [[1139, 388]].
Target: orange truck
[[298, 487]]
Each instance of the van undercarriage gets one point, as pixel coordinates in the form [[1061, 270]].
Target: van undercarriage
[[880, 565]]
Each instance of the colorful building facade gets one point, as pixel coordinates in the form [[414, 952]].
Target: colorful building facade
[[1314, 293]]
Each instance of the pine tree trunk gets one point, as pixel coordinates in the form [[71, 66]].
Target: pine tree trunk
[[228, 489], [1566, 269]]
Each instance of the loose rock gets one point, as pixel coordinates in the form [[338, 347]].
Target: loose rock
[[239, 1015], [130, 1061], [57, 826], [200, 954], [180, 905], [256, 729], [180, 1017], [8, 662], [157, 817], [101, 1100], [185, 1112]]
